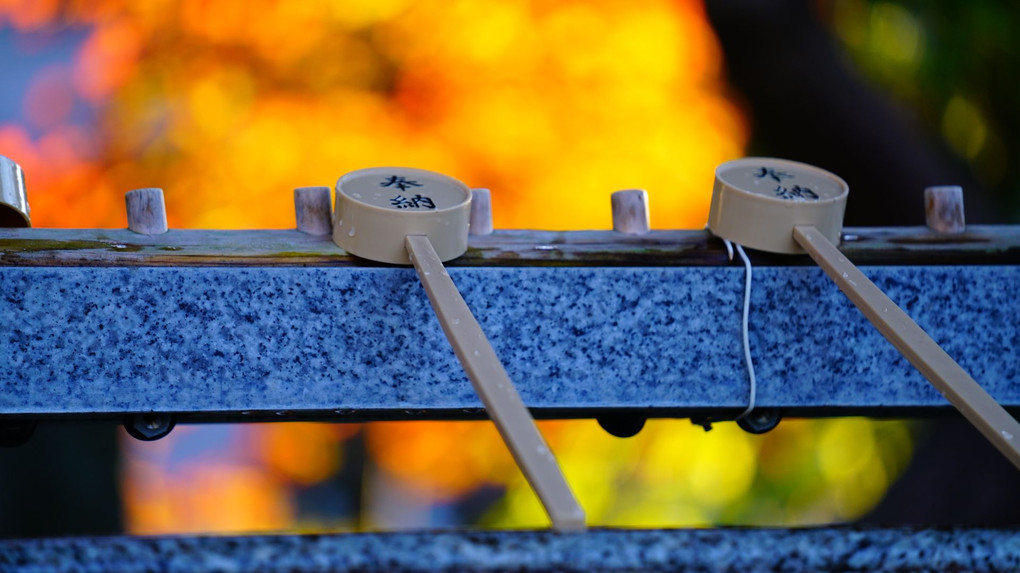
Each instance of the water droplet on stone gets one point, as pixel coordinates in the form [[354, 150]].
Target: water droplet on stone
[[1006, 435], [351, 232]]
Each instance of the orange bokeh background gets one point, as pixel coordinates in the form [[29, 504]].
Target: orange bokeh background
[[229, 105]]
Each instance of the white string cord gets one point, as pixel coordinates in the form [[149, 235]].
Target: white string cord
[[743, 326]]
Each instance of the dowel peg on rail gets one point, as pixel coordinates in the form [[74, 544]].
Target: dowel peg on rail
[[14, 211], [943, 209], [481, 212], [146, 211], [630, 212], [312, 210]]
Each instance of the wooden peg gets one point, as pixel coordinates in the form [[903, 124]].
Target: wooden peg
[[630, 212], [146, 212], [481, 212], [943, 209], [312, 210]]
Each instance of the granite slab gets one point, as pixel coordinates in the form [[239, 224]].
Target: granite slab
[[722, 549], [343, 341]]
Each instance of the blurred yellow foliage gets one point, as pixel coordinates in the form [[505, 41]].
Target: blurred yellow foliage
[[674, 473], [228, 105], [552, 105]]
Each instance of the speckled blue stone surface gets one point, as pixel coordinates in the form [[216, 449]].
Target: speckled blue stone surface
[[727, 549], [109, 340]]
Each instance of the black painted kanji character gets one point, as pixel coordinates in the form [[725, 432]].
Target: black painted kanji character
[[778, 176], [416, 202], [795, 192], [424, 202], [805, 193], [401, 183]]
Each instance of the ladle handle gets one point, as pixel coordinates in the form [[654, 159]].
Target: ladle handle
[[494, 387], [962, 391]]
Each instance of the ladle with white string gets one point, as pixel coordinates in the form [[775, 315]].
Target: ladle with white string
[[788, 207]]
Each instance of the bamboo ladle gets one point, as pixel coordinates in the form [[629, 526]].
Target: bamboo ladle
[[788, 207], [410, 216]]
